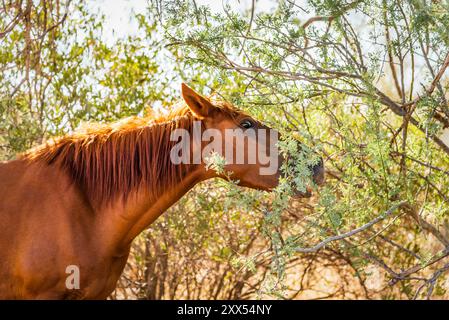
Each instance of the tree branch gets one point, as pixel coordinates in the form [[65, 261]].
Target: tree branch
[[352, 232]]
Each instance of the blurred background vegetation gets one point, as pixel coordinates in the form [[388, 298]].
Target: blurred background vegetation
[[364, 83]]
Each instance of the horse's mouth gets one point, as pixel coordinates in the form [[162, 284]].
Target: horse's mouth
[[318, 179]]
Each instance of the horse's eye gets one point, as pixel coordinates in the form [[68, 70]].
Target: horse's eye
[[246, 124]]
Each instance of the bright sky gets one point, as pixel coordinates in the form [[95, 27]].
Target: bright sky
[[119, 20]]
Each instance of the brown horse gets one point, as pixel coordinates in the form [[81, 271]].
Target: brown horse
[[72, 207]]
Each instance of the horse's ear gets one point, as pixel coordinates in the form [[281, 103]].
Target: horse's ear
[[199, 105]]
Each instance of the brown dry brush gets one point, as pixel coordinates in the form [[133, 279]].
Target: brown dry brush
[[164, 266], [165, 263]]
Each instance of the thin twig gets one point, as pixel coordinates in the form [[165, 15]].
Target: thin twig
[[352, 232]]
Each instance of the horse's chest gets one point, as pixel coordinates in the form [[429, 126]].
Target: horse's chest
[[97, 281]]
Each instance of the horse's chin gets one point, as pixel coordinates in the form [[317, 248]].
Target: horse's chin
[[300, 195]]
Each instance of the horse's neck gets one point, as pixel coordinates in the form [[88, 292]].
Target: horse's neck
[[121, 222]]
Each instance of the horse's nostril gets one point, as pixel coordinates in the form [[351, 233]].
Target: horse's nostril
[[318, 173]]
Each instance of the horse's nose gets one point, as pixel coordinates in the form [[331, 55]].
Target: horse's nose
[[318, 173]]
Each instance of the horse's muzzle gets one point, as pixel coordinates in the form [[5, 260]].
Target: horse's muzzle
[[317, 177], [318, 173]]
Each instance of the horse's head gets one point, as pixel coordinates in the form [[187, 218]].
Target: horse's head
[[248, 146]]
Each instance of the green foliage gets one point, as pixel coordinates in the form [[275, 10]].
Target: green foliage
[[75, 76]]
